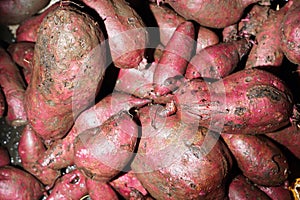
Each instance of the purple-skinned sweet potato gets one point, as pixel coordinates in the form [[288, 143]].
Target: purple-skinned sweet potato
[[4, 156], [217, 61], [278, 192], [71, 185], [13, 88], [30, 149], [241, 188], [212, 13], [99, 190], [18, 184], [102, 152], [61, 153], [22, 54], [69, 64], [249, 101], [122, 24], [178, 161], [259, 158]]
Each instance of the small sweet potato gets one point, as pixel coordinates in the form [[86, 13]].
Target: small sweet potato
[[18, 184], [4, 156], [99, 190], [69, 65], [259, 158], [278, 192], [13, 88], [102, 152]]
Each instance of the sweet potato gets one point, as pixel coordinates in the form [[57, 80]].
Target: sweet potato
[[99, 190], [267, 52], [176, 161], [241, 188], [18, 184], [4, 156], [290, 34], [259, 158], [205, 38], [22, 54], [102, 152], [69, 65], [61, 153], [70, 186], [212, 13], [14, 12], [122, 25], [278, 192], [174, 59], [249, 101], [13, 88], [217, 61]]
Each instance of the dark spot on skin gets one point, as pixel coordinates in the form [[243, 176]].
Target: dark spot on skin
[[239, 111], [264, 91], [193, 185], [74, 180]]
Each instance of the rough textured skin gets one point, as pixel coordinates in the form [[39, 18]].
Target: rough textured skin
[[267, 51], [241, 188], [259, 158], [18, 184], [230, 33], [122, 24], [289, 137], [99, 190], [30, 149], [278, 192], [102, 152], [214, 14], [70, 186], [173, 163], [174, 59], [61, 153], [246, 102], [290, 34], [22, 54], [69, 65], [13, 88], [14, 12], [4, 156], [217, 61]]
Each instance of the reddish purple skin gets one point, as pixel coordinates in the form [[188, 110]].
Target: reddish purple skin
[[18, 184], [175, 58], [99, 190], [30, 149], [61, 153], [241, 188], [70, 186], [259, 158], [13, 88], [2, 103], [170, 163], [288, 137], [217, 61], [247, 102], [278, 192], [290, 39], [230, 33], [214, 14], [102, 152], [4, 156], [205, 38]]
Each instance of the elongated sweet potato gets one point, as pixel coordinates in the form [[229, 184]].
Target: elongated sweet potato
[[61, 153], [69, 65], [174, 59], [99, 190], [70, 186], [13, 88], [176, 161], [4, 156], [14, 12], [249, 101], [19, 184], [122, 25], [212, 13], [241, 188], [278, 192], [102, 152], [217, 61], [259, 158]]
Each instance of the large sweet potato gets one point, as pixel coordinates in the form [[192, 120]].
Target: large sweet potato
[[69, 65], [19, 184]]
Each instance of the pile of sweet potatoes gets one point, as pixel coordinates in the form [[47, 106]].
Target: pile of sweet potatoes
[[128, 99]]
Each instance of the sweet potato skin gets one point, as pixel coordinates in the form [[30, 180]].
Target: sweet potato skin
[[69, 65], [4, 156], [259, 158], [18, 184], [99, 190], [2, 103], [278, 192]]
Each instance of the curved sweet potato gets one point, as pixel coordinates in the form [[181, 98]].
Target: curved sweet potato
[[4, 156], [259, 158], [69, 65], [18, 184], [99, 190]]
